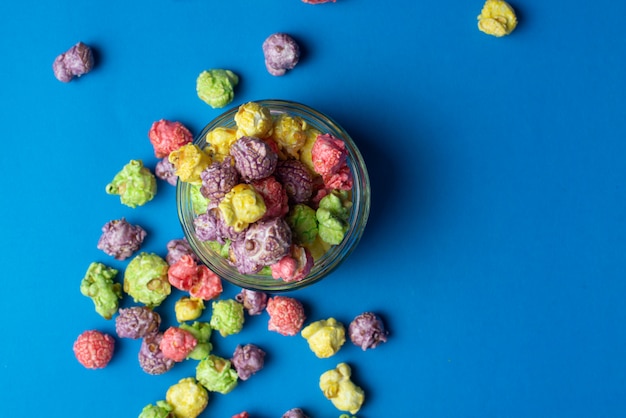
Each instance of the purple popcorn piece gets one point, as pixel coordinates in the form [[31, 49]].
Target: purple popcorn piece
[[253, 301], [137, 322], [247, 360], [254, 158], [296, 179], [281, 53], [367, 331], [76, 61], [295, 413], [210, 226], [166, 171], [120, 239], [177, 248], [151, 358], [265, 243], [218, 179]]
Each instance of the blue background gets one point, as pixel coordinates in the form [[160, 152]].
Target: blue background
[[495, 247]]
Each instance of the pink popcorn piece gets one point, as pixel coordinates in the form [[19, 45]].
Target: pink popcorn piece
[[328, 154], [286, 315], [207, 286], [167, 136], [183, 273], [295, 266], [340, 180], [75, 62], [177, 343], [94, 349], [274, 195]]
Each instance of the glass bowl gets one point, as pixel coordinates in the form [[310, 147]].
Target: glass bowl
[[330, 260]]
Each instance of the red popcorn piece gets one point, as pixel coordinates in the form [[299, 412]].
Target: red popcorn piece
[[242, 415], [274, 195], [167, 136], [294, 266], [183, 273], [177, 343], [328, 154], [286, 315], [339, 180], [94, 349], [207, 286]]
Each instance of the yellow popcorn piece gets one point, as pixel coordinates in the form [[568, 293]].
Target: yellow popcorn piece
[[189, 161], [497, 18], [340, 390], [325, 337], [220, 139], [317, 248], [188, 309], [305, 150], [290, 133], [253, 119], [242, 206], [187, 397]]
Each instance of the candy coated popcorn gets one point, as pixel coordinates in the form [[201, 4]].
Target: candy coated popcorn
[[202, 332], [265, 243], [161, 409], [328, 154], [305, 153], [281, 53], [253, 301], [216, 87], [99, 285], [216, 374], [94, 349], [332, 217], [274, 196], [227, 317], [290, 133], [177, 248], [254, 158], [145, 279], [295, 413], [303, 223], [253, 119], [207, 286], [325, 337], [135, 184], [220, 140], [295, 266], [183, 273], [167, 136], [166, 171], [211, 226], [218, 179], [199, 203], [137, 322], [121, 239], [151, 358], [247, 360], [187, 397], [242, 206], [296, 179], [75, 62], [367, 331], [189, 161], [340, 390], [188, 309], [286, 315], [497, 18], [243, 414], [177, 343], [340, 180]]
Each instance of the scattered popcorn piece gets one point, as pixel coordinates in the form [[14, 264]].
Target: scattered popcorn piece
[[137, 322], [227, 317], [135, 184], [145, 279], [253, 301], [497, 18], [161, 409], [207, 286], [189, 161], [243, 414], [188, 309], [216, 374], [177, 343], [99, 285], [183, 273], [187, 397], [75, 62], [286, 315], [295, 413], [94, 349], [247, 360], [367, 331], [202, 332], [166, 171], [216, 87], [281, 53], [325, 337], [253, 119], [167, 136], [242, 206], [340, 390], [120, 239], [151, 358]]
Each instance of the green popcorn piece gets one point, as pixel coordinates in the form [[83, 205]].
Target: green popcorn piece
[[222, 249], [216, 87], [227, 317], [202, 332], [199, 203], [145, 279], [135, 184], [338, 203], [303, 223], [216, 374], [332, 217], [99, 285], [162, 409]]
